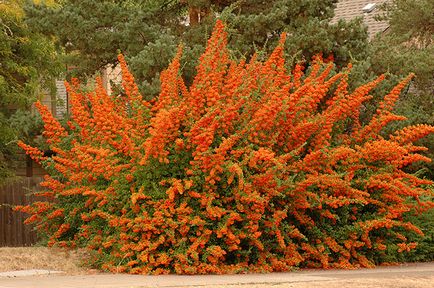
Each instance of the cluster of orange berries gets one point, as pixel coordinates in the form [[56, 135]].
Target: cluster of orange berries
[[251, 167]]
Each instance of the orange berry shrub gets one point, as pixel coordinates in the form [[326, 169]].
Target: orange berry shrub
[[250, 168]]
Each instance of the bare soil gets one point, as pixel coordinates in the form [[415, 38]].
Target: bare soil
[[26, 258]]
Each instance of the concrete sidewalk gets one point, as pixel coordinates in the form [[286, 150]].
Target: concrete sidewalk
[[411, 275]]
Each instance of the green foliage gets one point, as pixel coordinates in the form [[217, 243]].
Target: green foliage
[[27, 65], [259, 24], [6, 149], [424, 252], [408, 46], [411, 19], [27, 60], [147, 32], [20, 125]]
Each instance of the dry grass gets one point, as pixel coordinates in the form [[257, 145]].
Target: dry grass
[[24, 258]]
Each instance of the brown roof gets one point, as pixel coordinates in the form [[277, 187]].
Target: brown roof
[[350, 9]]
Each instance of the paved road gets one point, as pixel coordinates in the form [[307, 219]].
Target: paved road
[[404, 276]]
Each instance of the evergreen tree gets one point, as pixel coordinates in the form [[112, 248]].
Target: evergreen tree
[[307, 23], [408, 46], [147, 32]]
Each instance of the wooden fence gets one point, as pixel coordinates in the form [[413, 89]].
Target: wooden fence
[[13, 232]]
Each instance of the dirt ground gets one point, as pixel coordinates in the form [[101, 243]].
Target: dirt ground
[[26, 258]]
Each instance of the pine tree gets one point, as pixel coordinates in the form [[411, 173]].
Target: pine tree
[[261, 22], [147, 32], [408, 46]]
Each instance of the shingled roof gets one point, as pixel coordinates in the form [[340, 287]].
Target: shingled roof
[[350, 9]]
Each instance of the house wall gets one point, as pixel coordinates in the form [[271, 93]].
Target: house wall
[[111, 74]]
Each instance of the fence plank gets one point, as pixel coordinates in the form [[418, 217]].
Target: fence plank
[[2, 218], [26, 234], [9, 216], [13, 232]]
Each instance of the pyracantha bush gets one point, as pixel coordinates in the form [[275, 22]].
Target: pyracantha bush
[[251, 168]]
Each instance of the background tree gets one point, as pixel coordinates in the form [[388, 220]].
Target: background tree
[[307, 23], [408, 46], [147, 32], [27, 64]]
